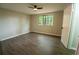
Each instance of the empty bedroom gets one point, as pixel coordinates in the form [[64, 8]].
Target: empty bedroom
[[36, 29]]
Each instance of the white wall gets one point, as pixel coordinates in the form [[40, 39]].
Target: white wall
[[51, 30], [12, 24]]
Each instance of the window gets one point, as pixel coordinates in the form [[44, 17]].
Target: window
[[45, 20]]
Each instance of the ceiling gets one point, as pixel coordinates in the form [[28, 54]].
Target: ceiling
[[23, 7]]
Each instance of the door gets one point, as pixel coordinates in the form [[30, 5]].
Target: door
[[66, 25]]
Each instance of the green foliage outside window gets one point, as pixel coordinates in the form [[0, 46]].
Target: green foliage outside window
[[45, 20]]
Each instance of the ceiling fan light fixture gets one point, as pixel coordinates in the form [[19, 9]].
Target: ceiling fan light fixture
[[35, 9]]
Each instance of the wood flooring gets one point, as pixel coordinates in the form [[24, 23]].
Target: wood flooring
[[34, 44]]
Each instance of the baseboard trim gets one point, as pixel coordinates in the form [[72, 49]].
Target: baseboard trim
[[73, 49], [47, 34], [68, 48], [26, 33], [13, 36]]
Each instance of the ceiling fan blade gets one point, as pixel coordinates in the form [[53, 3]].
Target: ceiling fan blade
[[35, 6], [40, 8]]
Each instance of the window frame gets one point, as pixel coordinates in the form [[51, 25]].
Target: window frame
[[45, 20]]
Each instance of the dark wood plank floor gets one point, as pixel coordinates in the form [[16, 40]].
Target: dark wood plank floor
[[0, 48], [34, 44]]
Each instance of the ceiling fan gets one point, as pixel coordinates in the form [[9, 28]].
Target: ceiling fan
[[35, 7]]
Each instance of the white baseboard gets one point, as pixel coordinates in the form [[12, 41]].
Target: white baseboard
[[12, 36], [67, 47], [24, 33], [48, 33], [73, 49]]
